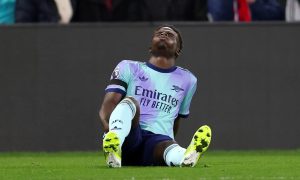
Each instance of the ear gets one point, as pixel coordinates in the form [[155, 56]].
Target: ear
[[177, 53]]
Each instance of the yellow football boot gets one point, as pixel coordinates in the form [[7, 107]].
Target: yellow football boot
[[112, 150], [197, 147]]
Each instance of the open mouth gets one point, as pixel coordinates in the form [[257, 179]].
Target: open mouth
[[162, 45]]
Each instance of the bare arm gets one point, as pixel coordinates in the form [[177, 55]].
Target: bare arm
[[176, 125], [111, 100]]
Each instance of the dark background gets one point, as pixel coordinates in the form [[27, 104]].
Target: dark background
[[52, 80]]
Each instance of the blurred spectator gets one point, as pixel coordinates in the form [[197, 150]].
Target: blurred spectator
[[245, 10], [7, 11], [173, 10], [56, 11], [105, 10], [228, 10], [140, 10], [266, 10], [220, 10], [292, 10]]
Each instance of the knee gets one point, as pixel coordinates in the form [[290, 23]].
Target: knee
[[137, 107], [135, 102]]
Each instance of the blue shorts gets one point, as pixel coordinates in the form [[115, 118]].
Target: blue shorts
[[138, 147]]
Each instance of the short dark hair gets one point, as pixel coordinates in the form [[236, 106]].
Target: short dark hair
[[177, 32]]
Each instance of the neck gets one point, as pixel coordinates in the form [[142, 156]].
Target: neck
[[162, 62]]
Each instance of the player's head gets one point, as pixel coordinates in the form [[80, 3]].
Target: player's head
[[166, 41]]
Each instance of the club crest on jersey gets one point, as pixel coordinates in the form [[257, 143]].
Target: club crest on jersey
[[143, 78], [115, 74], [177, 88]]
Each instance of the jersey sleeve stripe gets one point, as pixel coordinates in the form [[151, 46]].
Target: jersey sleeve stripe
[[118, 82], [113, 86], [183, 115], [117, 90]]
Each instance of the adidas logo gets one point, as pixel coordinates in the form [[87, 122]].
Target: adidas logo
[[143, 78]]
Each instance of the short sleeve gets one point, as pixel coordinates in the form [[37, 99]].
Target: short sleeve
[[185, 105], [119, 78]]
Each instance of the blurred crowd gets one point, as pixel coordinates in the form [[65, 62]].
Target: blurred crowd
[[69, 11]]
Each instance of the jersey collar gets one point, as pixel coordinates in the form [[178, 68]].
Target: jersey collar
[[171, 69]]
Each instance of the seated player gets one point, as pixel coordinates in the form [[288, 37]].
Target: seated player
[[143, 105]]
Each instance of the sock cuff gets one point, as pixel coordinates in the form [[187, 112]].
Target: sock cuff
[[168, 149], [131, 105]]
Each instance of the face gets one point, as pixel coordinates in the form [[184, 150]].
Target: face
[[164, 42]]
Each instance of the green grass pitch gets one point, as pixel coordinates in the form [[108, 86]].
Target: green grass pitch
[[213, 165]]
